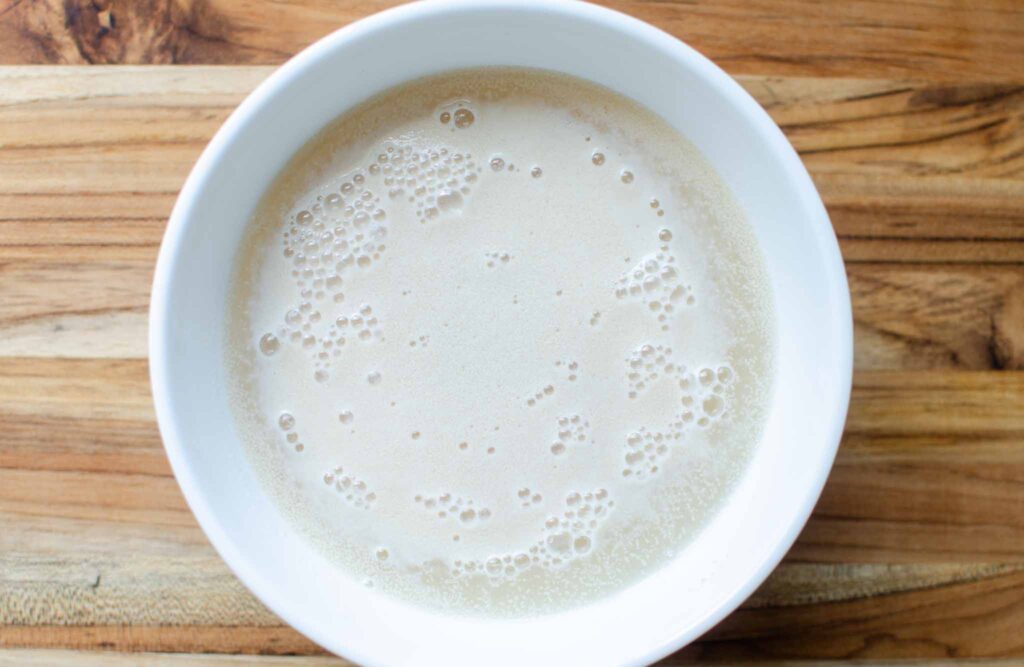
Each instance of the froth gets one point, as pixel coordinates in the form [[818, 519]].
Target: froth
[[480, 316]]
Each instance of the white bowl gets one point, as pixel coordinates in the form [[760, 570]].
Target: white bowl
[[760, 519]]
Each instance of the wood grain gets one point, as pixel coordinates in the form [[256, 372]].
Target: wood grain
[[934, 256], [936, 39], [57, 658], [915, 138], [923, 509]]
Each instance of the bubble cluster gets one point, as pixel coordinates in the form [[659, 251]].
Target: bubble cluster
[[644, 450], [562, 539], [528, 498], [343, 230], [286, 422], [422, 341], [645, 364], [435, 180], [704, 394], [456, 508], [703, 398], [361, 325], [572, 430], [655, 281], [458, 114], [571, 368], [548, 390], [496, 258], [352, 489]]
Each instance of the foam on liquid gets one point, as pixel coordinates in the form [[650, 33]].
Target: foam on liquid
[[500, 342]]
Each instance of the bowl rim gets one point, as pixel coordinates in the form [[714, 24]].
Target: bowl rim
[[652, 37]]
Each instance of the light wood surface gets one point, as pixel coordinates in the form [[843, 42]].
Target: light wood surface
[[910, 118]]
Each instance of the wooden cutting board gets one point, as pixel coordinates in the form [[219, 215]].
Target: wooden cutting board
[[910, 117]]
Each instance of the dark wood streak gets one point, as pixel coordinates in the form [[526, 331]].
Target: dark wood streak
[[944, 41]]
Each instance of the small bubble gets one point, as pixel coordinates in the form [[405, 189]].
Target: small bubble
[[463, 118], [449, 200], [382, 554], [269, 344], [373, 377], [536, 172], [321, 375], [286, 421], [445, 117], [626, 176], [665, 235], [497, 164], [713, 405], [597, 158], [346, 417]]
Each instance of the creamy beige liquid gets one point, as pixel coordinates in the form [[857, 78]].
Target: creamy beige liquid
[[500, 342]]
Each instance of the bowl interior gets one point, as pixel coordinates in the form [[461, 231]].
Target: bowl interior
[[760, 519]]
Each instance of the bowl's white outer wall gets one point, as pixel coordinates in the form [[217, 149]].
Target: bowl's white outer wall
[[773, 500]]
